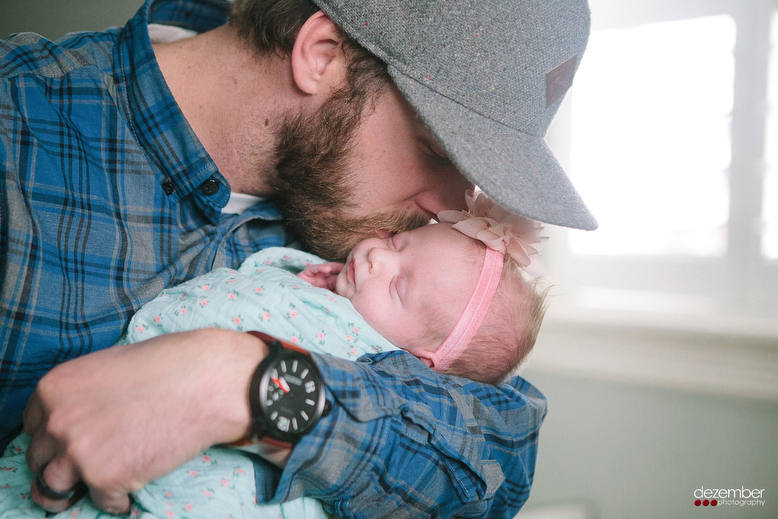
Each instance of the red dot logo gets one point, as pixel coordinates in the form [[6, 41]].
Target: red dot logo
[[705, 502], [697, 502], [713, 502]]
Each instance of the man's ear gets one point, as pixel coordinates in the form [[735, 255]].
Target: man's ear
[[318, 63]]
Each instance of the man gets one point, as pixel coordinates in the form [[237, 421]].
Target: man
[[119, 161]]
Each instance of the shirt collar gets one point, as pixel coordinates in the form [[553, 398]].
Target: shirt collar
[[171, 147]]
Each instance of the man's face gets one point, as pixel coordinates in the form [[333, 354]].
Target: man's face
[[345, 176], [399, 167]]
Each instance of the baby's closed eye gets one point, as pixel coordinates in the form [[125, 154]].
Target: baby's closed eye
[[398, 287]]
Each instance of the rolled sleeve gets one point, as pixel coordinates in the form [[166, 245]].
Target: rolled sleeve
[[404, 441]]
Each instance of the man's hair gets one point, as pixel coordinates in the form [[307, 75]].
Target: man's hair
[[273, 25], [509, 330], [313, 185]]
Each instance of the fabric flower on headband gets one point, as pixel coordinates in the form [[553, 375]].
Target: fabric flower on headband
[[499, 229]]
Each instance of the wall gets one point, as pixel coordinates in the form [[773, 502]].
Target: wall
[[633, 430], [656, 393], [54, 18]]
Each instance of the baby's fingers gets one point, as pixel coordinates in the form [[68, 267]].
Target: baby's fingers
[[335, 268], [316, 269]]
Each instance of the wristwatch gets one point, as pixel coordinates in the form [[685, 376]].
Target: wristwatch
[[287, 393]]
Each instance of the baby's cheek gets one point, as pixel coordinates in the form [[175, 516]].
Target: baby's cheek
[[372, 312], [398, 328]]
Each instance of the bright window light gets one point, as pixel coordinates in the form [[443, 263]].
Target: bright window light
[[650, 142], [770, 201]]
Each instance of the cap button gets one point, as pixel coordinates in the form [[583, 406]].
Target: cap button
[[209, 187]]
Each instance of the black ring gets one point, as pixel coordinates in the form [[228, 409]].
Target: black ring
[[49, 493]]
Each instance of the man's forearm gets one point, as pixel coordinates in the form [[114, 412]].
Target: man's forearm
[[147, 407]]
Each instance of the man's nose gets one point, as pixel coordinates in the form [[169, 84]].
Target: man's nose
[[449, 193]]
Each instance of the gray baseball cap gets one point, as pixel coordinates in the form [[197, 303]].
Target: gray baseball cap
[[486, 77]]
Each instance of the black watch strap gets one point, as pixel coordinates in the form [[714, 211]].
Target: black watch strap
[[274, 345]]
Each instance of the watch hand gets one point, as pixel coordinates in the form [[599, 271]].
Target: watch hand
[[280, 382]]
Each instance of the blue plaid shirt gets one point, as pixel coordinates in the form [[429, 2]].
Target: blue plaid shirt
[[107, 197]]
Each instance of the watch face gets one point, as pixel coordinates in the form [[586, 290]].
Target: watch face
[[292, 396]]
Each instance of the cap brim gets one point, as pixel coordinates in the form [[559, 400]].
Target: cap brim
[[517, 170]]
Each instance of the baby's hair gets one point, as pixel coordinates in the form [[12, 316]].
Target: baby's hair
[[509, 330]]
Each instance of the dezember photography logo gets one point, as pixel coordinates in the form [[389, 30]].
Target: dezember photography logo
[[741, 497]]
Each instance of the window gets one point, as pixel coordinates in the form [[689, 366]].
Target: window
[[670, 134], [651, 123], [770, 199]]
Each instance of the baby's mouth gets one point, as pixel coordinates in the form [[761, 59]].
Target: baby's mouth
[[351, 276]]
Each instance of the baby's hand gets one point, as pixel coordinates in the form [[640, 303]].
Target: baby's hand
[[322, 276]]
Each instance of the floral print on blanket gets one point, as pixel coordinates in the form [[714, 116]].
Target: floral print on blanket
[[218, 484]]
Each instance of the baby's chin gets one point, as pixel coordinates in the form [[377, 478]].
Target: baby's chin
[[342, 285]]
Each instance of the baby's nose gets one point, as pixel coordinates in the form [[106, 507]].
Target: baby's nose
[[377, 259]]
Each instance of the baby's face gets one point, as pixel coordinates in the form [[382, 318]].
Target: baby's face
[[406, 284]]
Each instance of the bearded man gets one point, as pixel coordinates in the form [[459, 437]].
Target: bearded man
[[137, 158]]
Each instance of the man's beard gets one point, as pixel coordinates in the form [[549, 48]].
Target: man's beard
[[314, 185]]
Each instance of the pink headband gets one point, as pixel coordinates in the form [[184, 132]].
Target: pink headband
[[503, 233], [474, 313]]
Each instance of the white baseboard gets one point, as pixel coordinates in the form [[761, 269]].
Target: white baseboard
[[560, 511]]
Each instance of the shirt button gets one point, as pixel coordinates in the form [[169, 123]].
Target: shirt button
[[209, 187], [168, 187]]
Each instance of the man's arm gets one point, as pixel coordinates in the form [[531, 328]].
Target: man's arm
[[401, 439], [405, 441], [122, 417]]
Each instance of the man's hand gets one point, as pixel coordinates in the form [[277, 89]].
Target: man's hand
[[122, 417], [324, 275]]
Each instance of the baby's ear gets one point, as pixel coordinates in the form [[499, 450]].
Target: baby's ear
[[428, 357]]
